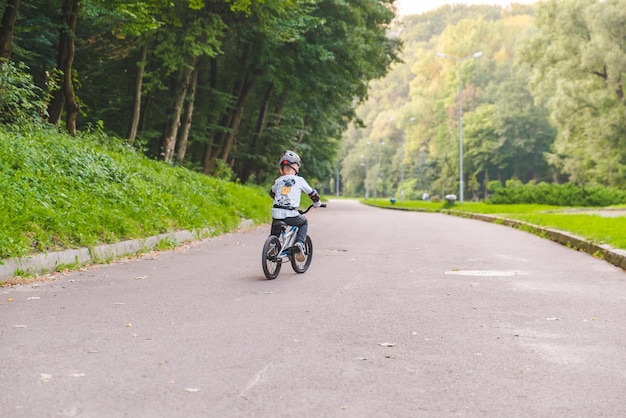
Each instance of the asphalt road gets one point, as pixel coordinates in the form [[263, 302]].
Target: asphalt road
[[400, 315]]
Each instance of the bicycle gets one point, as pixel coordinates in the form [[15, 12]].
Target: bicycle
[[279, 249]]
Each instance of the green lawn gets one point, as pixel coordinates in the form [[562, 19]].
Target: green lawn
[[586, 223]]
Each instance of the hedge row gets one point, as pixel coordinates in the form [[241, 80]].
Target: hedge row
[[567, 194]]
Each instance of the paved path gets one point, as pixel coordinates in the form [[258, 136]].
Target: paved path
[[400, 315]]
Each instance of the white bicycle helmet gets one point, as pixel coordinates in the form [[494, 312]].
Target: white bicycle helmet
[[288, 158]]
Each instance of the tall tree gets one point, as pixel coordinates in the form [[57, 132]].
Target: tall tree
[[188, 117], [137, 92], [7, 25], [579, 61], [64, 97], [140, 20], [199, 35]]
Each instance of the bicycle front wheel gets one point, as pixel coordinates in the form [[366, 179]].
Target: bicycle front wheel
[[302, 266], [271, 263]]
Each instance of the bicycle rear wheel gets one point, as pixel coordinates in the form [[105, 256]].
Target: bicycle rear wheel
[[271, 263], [302, 266]]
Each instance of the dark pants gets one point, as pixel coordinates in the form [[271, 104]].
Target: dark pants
[[299, 221]]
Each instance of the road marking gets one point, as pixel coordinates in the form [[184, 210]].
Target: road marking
[[484, 273]]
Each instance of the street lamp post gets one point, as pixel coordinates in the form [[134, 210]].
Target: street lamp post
[[367, 176], [377, 168], [402, 169], [402, 177], [459, 62]]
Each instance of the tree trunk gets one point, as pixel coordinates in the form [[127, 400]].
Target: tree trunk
[[232, 118], [305, 124], [6, 28], [65, 98], [274, 122], [169, 142], [260, 124], [55, 108], [249, 168], [141, 67], [242, 99], [184, 137], [71, 105], [219, 140], [207, 159]]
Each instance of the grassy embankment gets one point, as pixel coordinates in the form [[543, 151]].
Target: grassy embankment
[[584, 222], [60, 192]]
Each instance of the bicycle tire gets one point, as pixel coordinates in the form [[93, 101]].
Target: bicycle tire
[[302, 266], [271, 250]]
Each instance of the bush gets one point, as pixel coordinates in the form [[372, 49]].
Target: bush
[[20, 99], [568, 194], [494, 186]]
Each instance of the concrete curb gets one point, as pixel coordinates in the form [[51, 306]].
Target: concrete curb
[[44, 263]]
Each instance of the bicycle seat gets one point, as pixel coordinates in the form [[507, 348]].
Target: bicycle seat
[[282, 225]]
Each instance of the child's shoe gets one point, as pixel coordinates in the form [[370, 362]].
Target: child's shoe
[[299, 252]]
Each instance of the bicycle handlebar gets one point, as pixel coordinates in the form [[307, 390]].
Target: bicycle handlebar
[[302, 212]]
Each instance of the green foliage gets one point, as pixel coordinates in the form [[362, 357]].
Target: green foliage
[[413, 190], [544, 102], [20, 99], [415, 108], [166, 244], [494, 185], [61, 192], [222, 171], [271, 74], [567, 194], [578, 58]]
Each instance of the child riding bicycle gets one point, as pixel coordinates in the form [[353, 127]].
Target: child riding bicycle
[[286, 193]]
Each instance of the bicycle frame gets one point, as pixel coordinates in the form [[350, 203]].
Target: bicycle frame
[[287, 236], [287, 239]]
